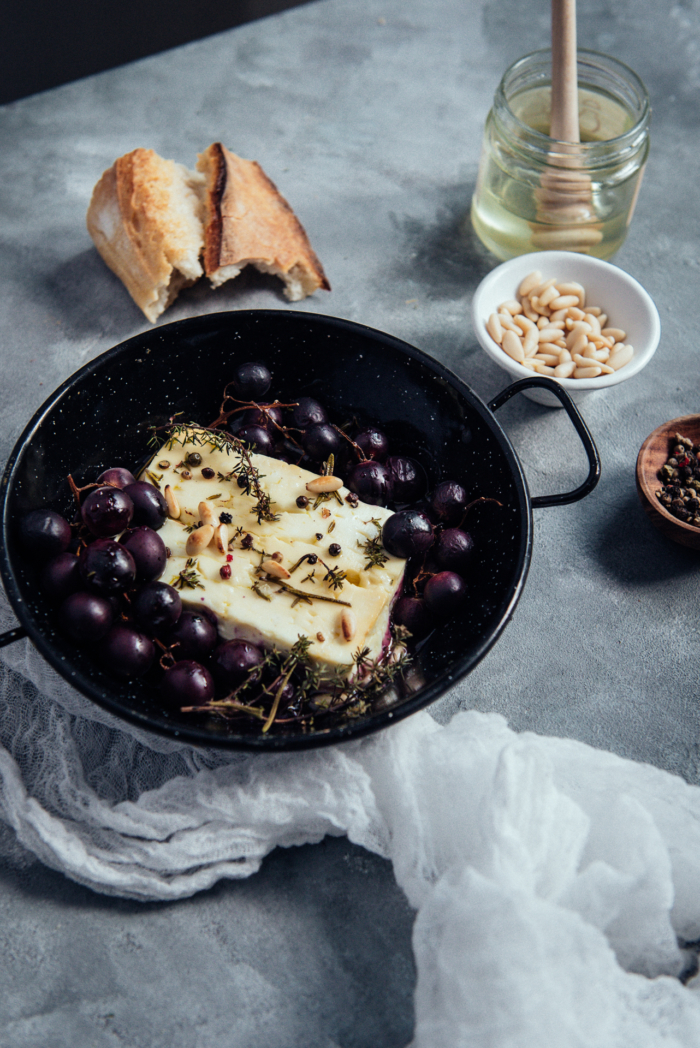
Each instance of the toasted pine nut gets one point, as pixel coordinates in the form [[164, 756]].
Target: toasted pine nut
[[320, 485], [274, 568], [348, 623], [588, 372], [513, 346], [531, 281], [221, 538], [620, 356], [171, 502], [565, 370], [494, 328], [199, 539], [206, 513]]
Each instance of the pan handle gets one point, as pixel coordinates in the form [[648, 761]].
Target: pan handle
[[12, 635], [578, 424]]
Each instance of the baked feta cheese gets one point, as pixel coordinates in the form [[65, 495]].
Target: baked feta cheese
[[269, 569]]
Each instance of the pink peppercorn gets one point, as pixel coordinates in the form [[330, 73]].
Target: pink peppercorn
[[225, 571]]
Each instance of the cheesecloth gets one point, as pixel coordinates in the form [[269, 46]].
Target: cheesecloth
[[552, 881]]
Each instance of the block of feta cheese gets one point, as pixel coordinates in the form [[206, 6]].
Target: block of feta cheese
[[319, 551]]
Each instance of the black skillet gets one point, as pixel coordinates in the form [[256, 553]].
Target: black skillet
[[99, 418]]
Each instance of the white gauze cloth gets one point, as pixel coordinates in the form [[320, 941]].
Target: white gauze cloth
[[551, 881]]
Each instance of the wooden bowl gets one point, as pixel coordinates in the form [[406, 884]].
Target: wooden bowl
[[653, 453]]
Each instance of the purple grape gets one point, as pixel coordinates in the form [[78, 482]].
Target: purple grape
[[150, 507], [407, 477], [107, 566], [260, 438], [116, 475], [374, 444], [412, 613], [45, 533], [148, 550], [308, 412], [61, 576], [232, 661], [321, 441], [371, 481], [187, 683], [449, 502], [157, 607], [454, 550], [86, 617], [127, 653], [258, 417], [251, 381], [194, 634], [107, 511], [444, 593], [407, 533]]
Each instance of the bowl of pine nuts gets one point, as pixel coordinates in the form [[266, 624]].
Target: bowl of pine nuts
[[581, 321]]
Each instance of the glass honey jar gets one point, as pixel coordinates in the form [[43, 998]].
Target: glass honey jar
[[534, 193]]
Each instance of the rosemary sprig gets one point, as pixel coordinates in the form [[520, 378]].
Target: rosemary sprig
[[303, 595]]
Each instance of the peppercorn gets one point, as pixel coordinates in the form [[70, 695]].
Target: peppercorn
[[226, 518], [194, 459], [302, 502], [208, 473], [334, 549]]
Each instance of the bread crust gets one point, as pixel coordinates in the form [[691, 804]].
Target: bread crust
[[145, 220], [248, 222]]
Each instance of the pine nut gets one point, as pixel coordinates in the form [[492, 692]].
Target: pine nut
[[275, 569], [605, 369], [549, 295], [206, 513], [549, 334], [593, 321], [620, 356], [320, 485], [199, 539], [171, 502], [565, 356], [529, 311], [348, 623], [588, 372], [512, 306], [565, 370], [590, 350], [616, 334], [494, 328], [530, 342], [551, 359], [595, 311], [221, 538], [563, 301], [574, 313], [531, 281], [543, 369], [523, 323], [550, 347], [572, 288], [513, 346], [576, 341], [558, 316]]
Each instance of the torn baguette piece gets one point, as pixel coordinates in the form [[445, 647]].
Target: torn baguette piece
[[248, 222], [145, 218]]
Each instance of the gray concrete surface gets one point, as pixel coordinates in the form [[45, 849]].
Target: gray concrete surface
[[368, 115]]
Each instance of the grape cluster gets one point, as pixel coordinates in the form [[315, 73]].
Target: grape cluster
[[102, 571]]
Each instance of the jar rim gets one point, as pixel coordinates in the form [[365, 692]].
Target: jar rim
[[586, 152]]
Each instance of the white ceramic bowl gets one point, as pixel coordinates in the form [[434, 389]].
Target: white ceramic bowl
[[621, 297]]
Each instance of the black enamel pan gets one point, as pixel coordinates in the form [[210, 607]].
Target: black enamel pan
[[99, 418]]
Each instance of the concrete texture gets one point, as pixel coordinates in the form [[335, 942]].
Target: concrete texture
[[368, 115]]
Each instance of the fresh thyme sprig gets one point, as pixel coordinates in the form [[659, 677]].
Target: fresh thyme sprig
[[373, 549], [188, 577]]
